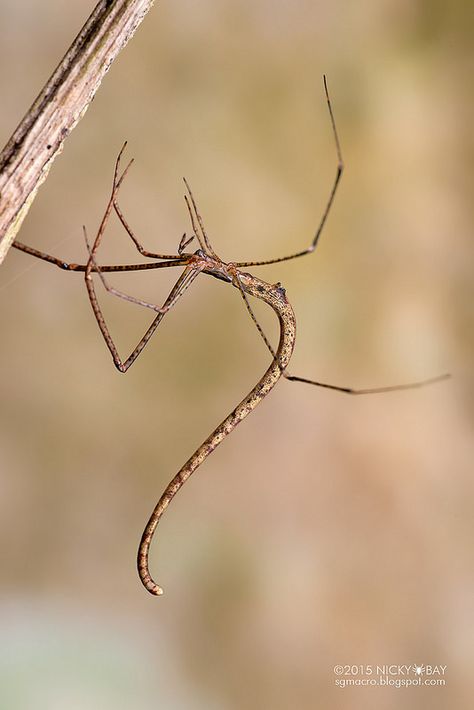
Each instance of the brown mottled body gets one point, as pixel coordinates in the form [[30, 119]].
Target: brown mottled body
[[276, 298]]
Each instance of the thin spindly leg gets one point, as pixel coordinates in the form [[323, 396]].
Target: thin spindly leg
[[128, 229], [202, 236], [106, 268], [339, 171], [175, 259], [198, 229], [117, 181], [185, 241], [184, 281], [121, 294], [48, 257], [178, 289], [371, 390], [144, 252], [337, 388], [252, 315]]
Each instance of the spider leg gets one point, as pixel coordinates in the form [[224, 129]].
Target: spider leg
[[332, 194], [141, 249], [371, 390], [67, 266], [181, 285], [185, 241], [120, 294], [128, 229], [337, 388], [202, 236], [186, 278], [252, 314]]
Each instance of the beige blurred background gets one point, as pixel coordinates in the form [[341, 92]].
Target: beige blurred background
[[326, 530]]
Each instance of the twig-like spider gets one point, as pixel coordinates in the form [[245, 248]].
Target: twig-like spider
[[203, 260]]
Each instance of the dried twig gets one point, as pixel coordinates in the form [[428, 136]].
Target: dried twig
[[28, 155]]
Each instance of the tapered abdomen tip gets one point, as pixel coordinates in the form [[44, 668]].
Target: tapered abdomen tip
[[146, 579], [151, 586]]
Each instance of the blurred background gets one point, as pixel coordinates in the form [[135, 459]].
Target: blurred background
[[327, 529]]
